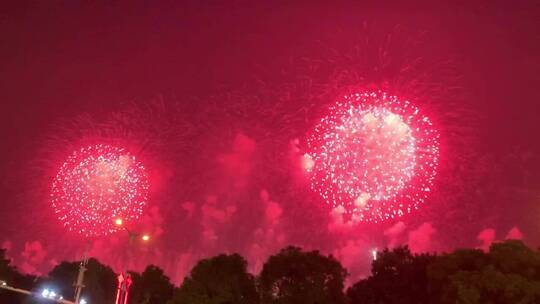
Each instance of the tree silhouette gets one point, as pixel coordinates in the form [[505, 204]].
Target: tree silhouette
[[11, 276], [295, 276], [398, 276], [150, 287], [218, 280], [99, 280], [509, 273]]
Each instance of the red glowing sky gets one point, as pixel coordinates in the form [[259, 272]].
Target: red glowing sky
[[174, 84]]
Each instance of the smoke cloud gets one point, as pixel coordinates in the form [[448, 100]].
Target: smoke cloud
[[487, 237], [421, 239]]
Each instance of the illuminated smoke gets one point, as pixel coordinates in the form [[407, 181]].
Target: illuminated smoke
[[373, 155], [97, 185]]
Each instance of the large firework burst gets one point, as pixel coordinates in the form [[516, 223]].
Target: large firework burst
[[374, 156], [95, 186]]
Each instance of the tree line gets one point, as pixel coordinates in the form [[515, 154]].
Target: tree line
[[508, 273]]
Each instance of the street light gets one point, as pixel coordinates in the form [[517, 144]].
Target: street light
[[83, 301], [50, 294], [132, 235], [124, 278], [45, 293]]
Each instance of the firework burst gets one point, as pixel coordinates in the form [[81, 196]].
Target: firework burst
[[95, 186], [373, 155]]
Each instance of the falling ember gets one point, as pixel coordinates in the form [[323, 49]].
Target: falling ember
[[373, 155], [98, 187], [374, 254], [307, 162]]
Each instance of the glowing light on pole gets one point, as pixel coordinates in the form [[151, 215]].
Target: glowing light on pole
[[373, 155], [98, 186]]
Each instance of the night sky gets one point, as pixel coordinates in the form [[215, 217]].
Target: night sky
[[217, 99]]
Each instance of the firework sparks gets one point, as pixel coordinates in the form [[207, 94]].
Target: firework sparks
[[96, 186], [373, 155]]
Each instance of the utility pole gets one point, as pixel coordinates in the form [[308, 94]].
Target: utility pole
[[79, 284]]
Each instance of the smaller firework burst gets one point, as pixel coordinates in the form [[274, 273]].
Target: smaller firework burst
[[373, 155], [97, 185]]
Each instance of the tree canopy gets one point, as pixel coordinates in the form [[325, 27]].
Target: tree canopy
[[296, 276], [99, 280], [218, 280], [152, 286], [13, 277], [398, 276], [508, 273]]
